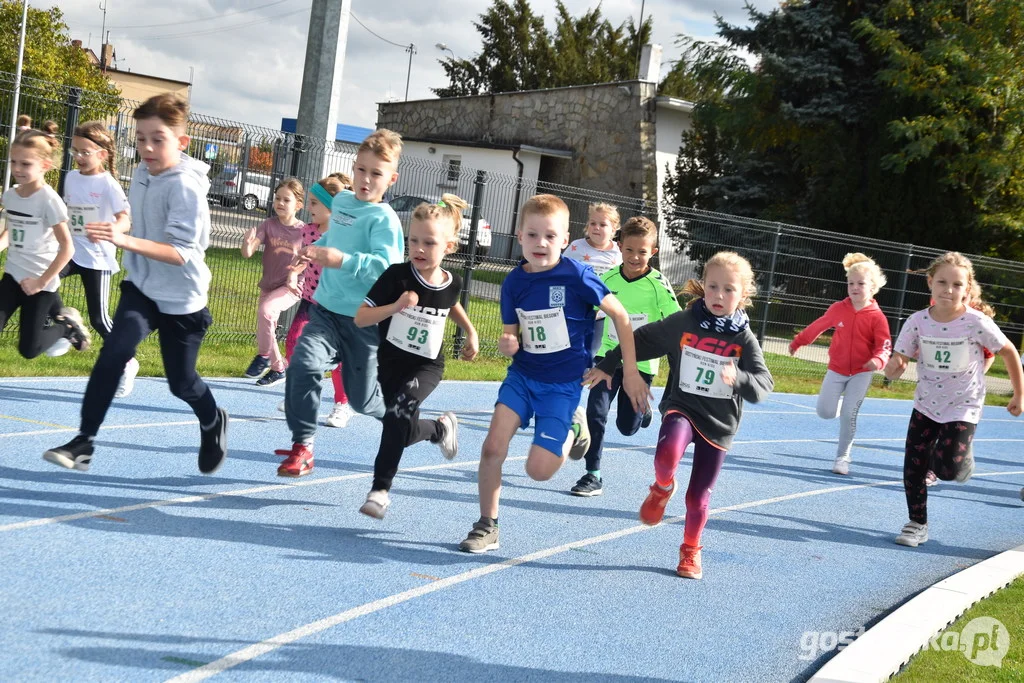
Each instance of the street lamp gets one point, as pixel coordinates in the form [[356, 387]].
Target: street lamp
[[451, 73]]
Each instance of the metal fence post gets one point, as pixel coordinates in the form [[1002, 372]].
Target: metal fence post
[[467, 276], [903, 288], [771, 283], [74, 103]]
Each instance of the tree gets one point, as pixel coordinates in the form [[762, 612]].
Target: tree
[[518, 52]]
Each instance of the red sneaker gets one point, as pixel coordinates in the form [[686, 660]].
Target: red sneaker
[[689, 562], [298, 463], [653, 509]]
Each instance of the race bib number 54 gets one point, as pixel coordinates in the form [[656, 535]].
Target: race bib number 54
[[700, 372], [79, 215]]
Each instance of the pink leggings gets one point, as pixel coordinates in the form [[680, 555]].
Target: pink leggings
[[294, 332], [271, 305], [675, 435]]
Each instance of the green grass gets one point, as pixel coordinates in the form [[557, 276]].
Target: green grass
[[1004, 605]]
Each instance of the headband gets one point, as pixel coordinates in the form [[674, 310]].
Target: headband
[[322, 195]]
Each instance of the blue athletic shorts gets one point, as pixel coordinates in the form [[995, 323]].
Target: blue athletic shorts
[[552, 404]]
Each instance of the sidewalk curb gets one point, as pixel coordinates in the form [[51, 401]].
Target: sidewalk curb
[[888, 645]]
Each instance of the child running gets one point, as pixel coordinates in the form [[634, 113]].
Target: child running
[[410, 304], [715, 364], [281, 237], [94, 196], [365, 237], [166, 287], [547, 307], [598, 249], [302, 281], [947, 340], [39, 246], [860, 345], [647, 296]]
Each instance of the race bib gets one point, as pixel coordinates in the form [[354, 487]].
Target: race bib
[[81, 214], [543, 331], [417, 333], [700, 372], [25, 231], [636, 321], [941, 354]]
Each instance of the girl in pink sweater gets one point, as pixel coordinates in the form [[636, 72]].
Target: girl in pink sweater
[[861, 344]]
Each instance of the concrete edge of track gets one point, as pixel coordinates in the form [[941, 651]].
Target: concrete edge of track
[[886, 647]]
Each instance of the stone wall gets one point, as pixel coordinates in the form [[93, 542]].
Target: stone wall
[[609, 128]]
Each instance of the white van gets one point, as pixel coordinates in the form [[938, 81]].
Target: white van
[[255, 193]]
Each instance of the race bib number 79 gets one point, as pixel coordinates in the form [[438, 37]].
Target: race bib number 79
[[700, 373]]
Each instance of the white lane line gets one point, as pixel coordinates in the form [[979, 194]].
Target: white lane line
[[251, 652]]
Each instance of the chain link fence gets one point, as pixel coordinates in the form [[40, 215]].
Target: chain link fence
[[799, 269]]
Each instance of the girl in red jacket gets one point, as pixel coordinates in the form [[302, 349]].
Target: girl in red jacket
[[860, 345]]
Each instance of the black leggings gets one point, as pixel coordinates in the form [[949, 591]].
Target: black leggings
[[403, 394], [37, 332], [939, 446], [97, 295]]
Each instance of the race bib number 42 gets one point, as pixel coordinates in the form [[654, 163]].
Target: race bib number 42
[[941, 354], [700, 372], [543, 331], [79, 215]]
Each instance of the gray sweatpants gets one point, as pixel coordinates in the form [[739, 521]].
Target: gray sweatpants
[[843, 395]]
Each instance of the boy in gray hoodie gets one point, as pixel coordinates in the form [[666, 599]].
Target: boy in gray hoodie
[[166, 286]]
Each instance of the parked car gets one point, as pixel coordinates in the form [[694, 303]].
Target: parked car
[[404, 206], [228, 189]]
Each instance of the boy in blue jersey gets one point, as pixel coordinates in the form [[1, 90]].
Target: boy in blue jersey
[[363, 240], [547, 308]]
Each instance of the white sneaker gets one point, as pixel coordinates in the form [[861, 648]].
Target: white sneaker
[[340, 415], [376, 504], [280, 407], [842, 465], [449, 443], [966, 468], [59, 348], [127, 383], [913, 534]]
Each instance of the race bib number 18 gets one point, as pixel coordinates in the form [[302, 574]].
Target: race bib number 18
[[81, 214], [700, 373], [543, 331]]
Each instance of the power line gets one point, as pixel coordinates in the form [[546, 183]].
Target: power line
[[353, 14], [218, 30], [193, 21]]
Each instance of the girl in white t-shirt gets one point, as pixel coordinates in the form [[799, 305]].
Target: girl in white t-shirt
[[94, 196], [948, 340], [598, 248], [35, 233]]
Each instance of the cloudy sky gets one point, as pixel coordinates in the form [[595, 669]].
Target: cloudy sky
[[247, 55]]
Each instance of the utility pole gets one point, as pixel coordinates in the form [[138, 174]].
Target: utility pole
[[411, 50]]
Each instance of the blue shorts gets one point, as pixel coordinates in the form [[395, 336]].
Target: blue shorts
[[552, 403]]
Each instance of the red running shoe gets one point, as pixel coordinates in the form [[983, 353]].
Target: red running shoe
[[298, 461], [689, 562], [653, 509]]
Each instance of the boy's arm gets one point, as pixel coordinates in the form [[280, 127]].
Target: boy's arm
[[653, 340], [1013, 368], [472, 344], [634, 385], [508, 344], [158, 251], [385, 249]]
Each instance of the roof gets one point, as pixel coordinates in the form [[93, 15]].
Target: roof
[[481, 144], [674, 103], [343, 133]]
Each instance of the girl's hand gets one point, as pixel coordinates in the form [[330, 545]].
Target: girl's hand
[[873, 365], [1014, 406], [292, 284], [793, 346], [31, 285], [729, 373], [508, 344], [470, 347], [895, 368], [594, 376], [407, 299], [326, 257], [104, 232]]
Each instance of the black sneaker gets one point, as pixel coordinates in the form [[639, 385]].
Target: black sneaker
[[75, 454], [213, 447], [587, 486], [75, 330], [270, 379], [257, 367], [645, 422]]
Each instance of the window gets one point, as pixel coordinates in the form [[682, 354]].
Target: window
[[453, 168]]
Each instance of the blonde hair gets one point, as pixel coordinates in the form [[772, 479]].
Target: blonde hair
[[43, 142], [449, 209], [97, 133], [345, 178], [24, 120], [610, 212], [979, 304], [858, 262], [544, 205], [957, 260], [639, 226], [331, 184], [170, 108], [385, 143], [732, 261], [295, 187]]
